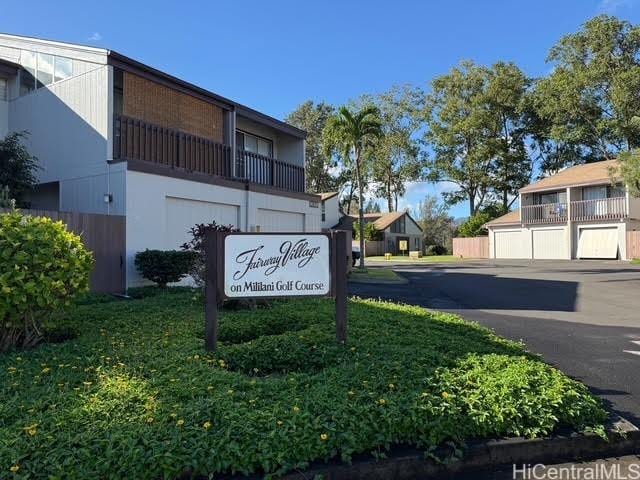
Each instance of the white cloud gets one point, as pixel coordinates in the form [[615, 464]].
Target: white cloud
[[612, 6], [95, 37]]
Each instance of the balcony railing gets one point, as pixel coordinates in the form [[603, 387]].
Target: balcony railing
[[138, 140], [268, 171], [599, 209], [545, 213]]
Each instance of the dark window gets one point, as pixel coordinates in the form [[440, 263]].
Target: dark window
[[255, 144], [324, 211], [399, 225], [3, 89]]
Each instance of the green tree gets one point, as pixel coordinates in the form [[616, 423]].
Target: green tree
[[395, 154], [628, 172], [590, 102], [351, 135], [436, 223], [505, 96], [17, 167], [318, 165], [460, 133]]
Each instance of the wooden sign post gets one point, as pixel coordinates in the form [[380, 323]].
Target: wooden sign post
[[274, 265]]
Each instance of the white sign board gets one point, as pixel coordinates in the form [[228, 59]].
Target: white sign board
[[276, 265]]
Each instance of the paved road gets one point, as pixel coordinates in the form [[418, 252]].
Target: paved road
[[583, 317]]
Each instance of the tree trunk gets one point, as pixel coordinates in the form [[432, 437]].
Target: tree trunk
[[389, 198], [360, 209], [350, 198], [472, 205]]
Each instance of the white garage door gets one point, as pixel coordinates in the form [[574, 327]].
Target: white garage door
[[598, 243], [183, 214], [549, 244], [509, 244], [279, 221]]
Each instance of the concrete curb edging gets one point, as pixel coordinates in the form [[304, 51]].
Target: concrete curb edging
[[624, 439]]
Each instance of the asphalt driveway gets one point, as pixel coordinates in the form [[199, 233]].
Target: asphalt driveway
[[582, 316]]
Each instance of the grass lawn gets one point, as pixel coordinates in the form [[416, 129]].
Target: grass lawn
[[135, 396], [375, 275], [636, 261], [424, 259]]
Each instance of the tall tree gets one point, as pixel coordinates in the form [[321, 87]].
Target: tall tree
[[352, 134], [460, 131], [372, 207], [436, 223], [512, 166], [591, 99], [395, 154], [312, 117]]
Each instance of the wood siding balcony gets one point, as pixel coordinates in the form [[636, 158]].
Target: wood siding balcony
[[599, 209], [545, 213], [135, 139]]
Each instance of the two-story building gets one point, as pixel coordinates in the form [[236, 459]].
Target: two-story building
[[114, 136], [577, 213], [396, 229]]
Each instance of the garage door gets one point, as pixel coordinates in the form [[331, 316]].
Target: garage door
[[183, 214], [549, 244], [598, 243], [509, 244], [279, 221]]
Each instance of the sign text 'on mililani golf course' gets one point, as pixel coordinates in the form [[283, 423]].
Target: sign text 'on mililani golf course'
[[276, 265]]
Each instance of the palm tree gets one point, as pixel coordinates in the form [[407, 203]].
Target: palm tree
[[349, 134]]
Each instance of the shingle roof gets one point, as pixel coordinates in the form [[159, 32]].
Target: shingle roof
[[382, 220], [588, 174], [327, 195], [506, 219]]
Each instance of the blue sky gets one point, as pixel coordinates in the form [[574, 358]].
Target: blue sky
[[273, 55]]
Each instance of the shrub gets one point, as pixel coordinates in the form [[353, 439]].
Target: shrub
[[474, 227], [164, 266], [196, 244], [435, 250], [43, 267], [17, 166]]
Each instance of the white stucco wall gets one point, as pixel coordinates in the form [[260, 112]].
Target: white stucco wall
[[161, 209], [332, 212]]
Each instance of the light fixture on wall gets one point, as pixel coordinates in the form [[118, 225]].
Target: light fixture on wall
[[108, 197]]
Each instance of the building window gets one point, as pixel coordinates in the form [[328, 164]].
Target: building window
[[42, 69], [255, 144], [324, 212], [3, 89], [399, 225], [555, 197]]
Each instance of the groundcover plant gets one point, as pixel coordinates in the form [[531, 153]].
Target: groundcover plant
[[135, 396]]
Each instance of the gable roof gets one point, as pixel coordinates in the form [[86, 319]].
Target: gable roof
[[595, 173], [383, 220], [510, 218], [327, 195]]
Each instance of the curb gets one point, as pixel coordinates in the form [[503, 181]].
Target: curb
[[623, 439]]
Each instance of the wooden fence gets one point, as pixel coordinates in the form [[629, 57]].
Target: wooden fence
[[474, 247], [633, 245], [104, 235]]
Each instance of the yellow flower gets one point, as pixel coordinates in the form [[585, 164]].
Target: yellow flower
[[173, 415], [230, 392], [15, 469], [150, 420], [353, 349], [207, 425], [296, 409], [382, 401], [196, 357], [32, 430], [324, 437], [391, 386], [180, 423], [445, 395], [209, 388], [279, 422], [351, 392], [46, 370]]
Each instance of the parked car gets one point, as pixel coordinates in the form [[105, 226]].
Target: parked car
[[355, 255]]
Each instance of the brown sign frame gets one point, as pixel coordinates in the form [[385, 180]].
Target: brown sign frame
[[214, 246]]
